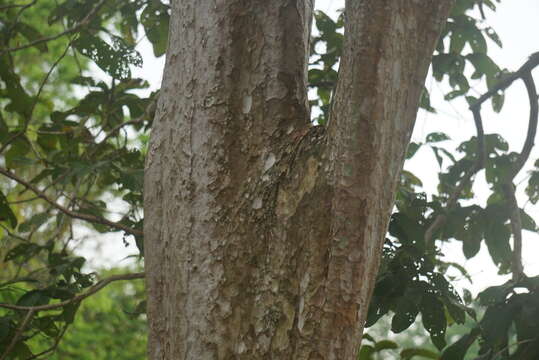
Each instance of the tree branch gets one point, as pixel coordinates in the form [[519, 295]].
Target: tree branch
[[506, 81], [150, 109], [532, 124], [10, 6], [54, 345], [525, 73], [508, 187], [73, 214], [100, 285]]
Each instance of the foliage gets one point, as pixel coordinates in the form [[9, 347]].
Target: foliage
[[63, 158], [106, 326]]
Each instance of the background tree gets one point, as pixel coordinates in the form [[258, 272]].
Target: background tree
[[65, 157]]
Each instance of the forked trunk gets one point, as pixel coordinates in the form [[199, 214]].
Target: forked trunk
[[263, 234]]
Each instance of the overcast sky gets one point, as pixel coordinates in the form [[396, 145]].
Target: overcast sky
[[516, 23]]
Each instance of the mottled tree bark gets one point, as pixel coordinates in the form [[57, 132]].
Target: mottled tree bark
[[263, 234]]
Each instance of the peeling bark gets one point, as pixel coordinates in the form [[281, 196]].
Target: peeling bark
[[263, 234]]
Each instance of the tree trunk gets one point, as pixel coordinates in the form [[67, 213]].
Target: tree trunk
[[263, 234]]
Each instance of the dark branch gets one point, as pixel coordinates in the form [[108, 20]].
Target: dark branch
[[100, 285], [508, 187], [532, 124], [532, 62], [73, 214], [11, 6]]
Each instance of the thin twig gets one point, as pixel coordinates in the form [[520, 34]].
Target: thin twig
[[13, 235], [120, 126], [100, 285], [18, 334], [508, 187], [507, 80], [148, 111], [73, 214], [72, 29]]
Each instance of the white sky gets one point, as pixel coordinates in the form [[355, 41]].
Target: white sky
[[516, 23]]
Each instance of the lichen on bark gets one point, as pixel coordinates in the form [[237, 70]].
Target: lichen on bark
[[262, 233]]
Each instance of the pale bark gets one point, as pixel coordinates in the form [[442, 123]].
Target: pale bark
[[262, 235]]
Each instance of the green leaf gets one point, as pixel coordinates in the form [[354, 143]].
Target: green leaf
[[22, 252], [477, 41], [494, 294], [368, 337], [20, 101], [33, 298], [71, 10], [4, 130], [434, 321], [528, 223], [532, 189], [5, 327], [141, 308], [497, 102], [68, 315], [58, 292], [15, 156], [456, 310], [21, 351], [385, 345], [324, 23], [34, 222], [410, 353], [6, 214], [366, 352], [471, 241], [458, 350], [412, 149], [493, 36], [155, 19], [435, 137], [405, 314], [495, 141], [458, 40], [483, 65], [424, 101], [497, 237], [496, 323], [47, 326], [113, 59]]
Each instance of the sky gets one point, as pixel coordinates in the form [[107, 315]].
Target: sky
[[516, 23]]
